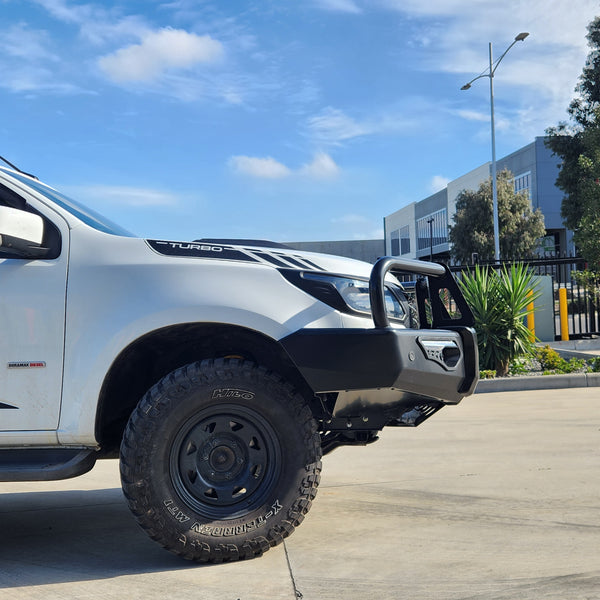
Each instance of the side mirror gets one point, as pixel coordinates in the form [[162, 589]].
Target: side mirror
[[21, 233]]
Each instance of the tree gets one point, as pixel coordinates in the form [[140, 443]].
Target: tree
[[473, 229], [577, 143], [587, 231]]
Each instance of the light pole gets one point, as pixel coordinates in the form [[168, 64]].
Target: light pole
[[490, 73], [430, 221]]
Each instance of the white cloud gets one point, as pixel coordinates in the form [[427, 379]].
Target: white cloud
[[96, 23], [322, 166], [438, 182], [61, 10], [29, 64], [160, 51], [262, 168], [560, 21], [39, 66], [473, 115], [333, 126], [163, 61], [103, 31], [344, 6], [33, 80], [24, 43], [541, 71], [434, 7], [123, 195]]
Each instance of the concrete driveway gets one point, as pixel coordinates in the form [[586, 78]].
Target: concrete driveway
[[497, 498]]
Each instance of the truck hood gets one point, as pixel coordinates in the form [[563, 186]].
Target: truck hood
[[280, 258]]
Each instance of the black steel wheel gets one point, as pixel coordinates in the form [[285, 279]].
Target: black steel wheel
[[225, 460], [220, 460]]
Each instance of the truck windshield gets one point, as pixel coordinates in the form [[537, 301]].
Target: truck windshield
[[83, 213]]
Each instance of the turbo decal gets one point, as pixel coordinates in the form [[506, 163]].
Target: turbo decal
[[195, 250]]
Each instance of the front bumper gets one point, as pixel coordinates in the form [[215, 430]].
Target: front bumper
[[431, 363], [387, 376]]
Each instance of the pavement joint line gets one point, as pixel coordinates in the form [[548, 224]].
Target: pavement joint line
[[369, 484], [372, 483], [297, 593], [363, 484]]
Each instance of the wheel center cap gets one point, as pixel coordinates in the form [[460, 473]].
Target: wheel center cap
[[222, 459]]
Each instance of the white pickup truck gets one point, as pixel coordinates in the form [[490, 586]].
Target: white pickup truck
[[219, 373]]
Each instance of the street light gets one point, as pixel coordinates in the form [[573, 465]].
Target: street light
[[490, 73]]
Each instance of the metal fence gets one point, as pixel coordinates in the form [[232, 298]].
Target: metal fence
[[583, 304]]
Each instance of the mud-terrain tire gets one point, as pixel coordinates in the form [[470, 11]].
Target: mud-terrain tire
[[220, 460]]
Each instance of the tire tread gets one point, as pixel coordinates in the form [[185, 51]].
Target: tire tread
[[159, 400]]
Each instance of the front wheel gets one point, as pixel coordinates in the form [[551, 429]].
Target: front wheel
[[220, 460]]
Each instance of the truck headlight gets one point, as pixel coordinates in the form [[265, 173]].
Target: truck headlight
[[347, 294]]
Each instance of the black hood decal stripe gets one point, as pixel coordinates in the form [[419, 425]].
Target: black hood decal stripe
[[226, 252]]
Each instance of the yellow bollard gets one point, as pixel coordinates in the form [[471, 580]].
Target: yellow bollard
[[531, 317], [564, 314]]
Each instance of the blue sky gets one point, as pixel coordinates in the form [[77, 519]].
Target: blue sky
[[279, 119]]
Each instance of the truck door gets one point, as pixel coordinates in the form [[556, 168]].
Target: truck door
[[32, 324]]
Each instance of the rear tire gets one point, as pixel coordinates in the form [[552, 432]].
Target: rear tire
[[220, 460]]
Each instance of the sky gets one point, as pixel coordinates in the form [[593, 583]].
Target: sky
[[275, 119]]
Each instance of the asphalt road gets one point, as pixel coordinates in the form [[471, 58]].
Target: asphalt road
[[497, 498]]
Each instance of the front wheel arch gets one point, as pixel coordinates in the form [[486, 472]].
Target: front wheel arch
[[150, 358]]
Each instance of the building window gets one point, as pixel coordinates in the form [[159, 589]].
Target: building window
[[434, 233], [522, 183], [395, 239], [405, 240]]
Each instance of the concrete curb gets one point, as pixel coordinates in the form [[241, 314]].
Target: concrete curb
[[538, 382]]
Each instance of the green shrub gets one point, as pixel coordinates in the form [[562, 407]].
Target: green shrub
[[594, 364], [499, 303], [574, 365], [487, 374], [551, 362], [549, 358], [519, 366]]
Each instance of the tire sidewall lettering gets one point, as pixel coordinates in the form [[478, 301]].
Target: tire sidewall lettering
[[187, 395]]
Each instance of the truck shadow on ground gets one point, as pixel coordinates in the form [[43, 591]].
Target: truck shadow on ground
[[69, 536]]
